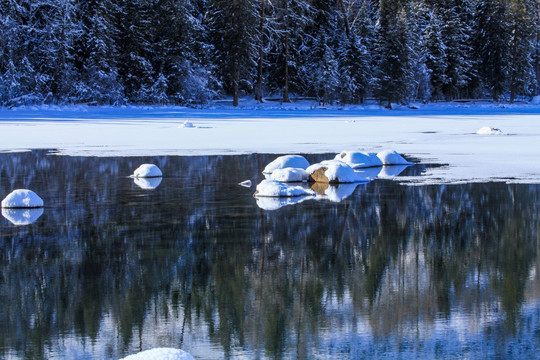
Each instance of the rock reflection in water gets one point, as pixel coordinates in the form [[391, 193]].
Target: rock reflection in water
[[448, 271], [22, 216]]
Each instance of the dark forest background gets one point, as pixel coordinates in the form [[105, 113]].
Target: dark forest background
[[335, 51]]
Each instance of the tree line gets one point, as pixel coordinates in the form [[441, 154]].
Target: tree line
[[192, 51]]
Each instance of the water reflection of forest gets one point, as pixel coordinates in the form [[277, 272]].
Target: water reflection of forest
[[195, 263]]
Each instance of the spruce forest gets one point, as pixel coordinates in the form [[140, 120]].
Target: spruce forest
[[188, 52]]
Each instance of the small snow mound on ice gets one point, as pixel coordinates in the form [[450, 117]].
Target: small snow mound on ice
[[187, 124], [391, 157], [273, 188], [286, 161], [147, 170], [22, 216], [161, 354], [289, 175], [337, 171], [358, 159], [486, 130], [22, 198]]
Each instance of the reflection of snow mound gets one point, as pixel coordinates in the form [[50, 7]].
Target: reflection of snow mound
[[391, 157], [369, 173], [486, 130], [289, 175], [286, 161], [357, 159], [336, 172], [148, 183], [22, 198], [147, 170], [274, 203], [340, 192], [272, 188], [392, 171], [22, 216], [161, 354]]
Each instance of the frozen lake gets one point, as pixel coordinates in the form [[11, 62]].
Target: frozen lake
[[111, 267]]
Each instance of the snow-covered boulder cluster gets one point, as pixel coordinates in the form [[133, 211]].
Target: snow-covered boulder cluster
[[330, 179]]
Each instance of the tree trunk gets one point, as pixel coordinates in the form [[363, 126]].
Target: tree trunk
[[258, 89], [286, 82]]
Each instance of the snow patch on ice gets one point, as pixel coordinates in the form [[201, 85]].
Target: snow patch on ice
[[22, 198]]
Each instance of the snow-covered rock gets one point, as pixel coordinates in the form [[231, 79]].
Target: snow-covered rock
[[391, 157], [289, 175], [358, 159], [486, 130], [286, 161], [161, 354], [273, 188], [333, 171], [146, 171], [22, 198], [147, 183], [187, 124], [22, 216]]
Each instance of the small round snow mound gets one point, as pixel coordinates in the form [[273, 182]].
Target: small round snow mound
[[22, 198], [161, 354], [358, 159], [187, 124], [486, 130], [286, 161], [289, 175], [391, 157], [337, 171], [273, 188], [147, 170]]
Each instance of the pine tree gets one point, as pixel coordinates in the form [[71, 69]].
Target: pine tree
[[436, 60], [492, 45], [234, 38], [393, 73]]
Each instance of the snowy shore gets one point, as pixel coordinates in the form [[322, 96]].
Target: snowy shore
[[443, 134]]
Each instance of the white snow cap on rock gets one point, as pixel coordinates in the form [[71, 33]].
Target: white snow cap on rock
[[273, 188], [286, 161], [147, 170], [358, 159], [486, 130], [22, 198], [289, 175], [337, 171], [391, 157], [161, 354]]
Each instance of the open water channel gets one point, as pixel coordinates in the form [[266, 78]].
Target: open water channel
[[111, 267]]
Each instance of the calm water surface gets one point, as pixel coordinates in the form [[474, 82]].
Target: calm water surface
[[381, 270]]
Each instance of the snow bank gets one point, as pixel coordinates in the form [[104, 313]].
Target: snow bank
[[286, 161], [486, 130], [391, 157], [289, 175], [22, 216], [358, 159], [161, 354], [147, 183], [22, 198], [147, 171], [333, 171], [273, 188]]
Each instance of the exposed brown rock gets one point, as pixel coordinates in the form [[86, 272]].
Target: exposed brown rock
[[319, 176]]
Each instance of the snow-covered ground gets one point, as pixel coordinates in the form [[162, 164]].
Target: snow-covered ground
[[430, 134]]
